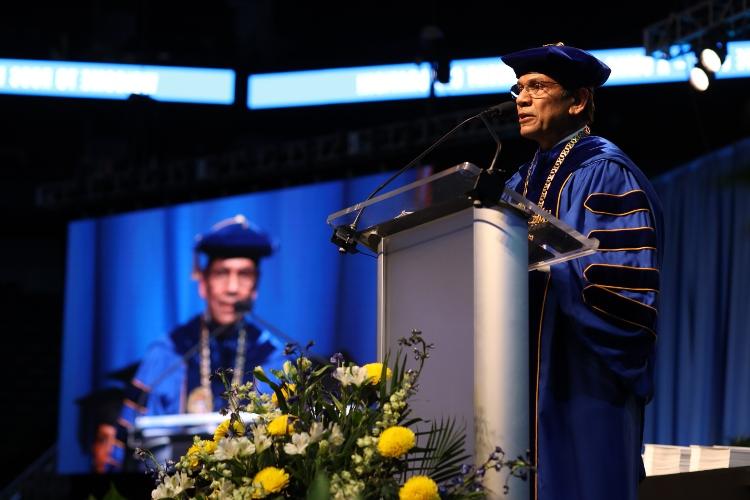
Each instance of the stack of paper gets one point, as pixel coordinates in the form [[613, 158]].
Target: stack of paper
[[739, 456], [718, 457], [661, 459]]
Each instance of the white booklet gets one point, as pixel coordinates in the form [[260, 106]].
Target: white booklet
[[718, 457], [659, 459]]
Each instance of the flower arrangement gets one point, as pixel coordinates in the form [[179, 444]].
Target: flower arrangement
[[337, 431]]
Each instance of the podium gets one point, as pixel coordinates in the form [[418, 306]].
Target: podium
[[170, 436], [460, 275]]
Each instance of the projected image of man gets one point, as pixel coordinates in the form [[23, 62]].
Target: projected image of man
[[175, 374]]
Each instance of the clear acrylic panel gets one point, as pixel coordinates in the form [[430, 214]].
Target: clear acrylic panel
[[445, 186], [551, 241]]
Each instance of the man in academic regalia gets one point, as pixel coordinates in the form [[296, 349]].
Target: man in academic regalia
[[175, 374], [592, 319]]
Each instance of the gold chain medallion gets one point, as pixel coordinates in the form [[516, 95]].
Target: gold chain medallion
[[536, 218], [201, 399]]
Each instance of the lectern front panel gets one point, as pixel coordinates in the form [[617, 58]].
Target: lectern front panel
[[462, 280]]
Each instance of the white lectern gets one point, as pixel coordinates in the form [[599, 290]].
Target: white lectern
[[459, 274]]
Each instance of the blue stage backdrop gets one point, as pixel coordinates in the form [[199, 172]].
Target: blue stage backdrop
[[129, 282], [702, 368]]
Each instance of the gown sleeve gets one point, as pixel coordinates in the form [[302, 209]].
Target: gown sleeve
[[610, 298], [156, 389]]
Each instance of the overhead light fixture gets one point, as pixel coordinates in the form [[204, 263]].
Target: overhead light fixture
[[713, 55], [690, 30], [699, 78]]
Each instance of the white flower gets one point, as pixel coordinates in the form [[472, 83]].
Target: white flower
[[227, 448], [261, 439], [337, 437], [241, 493], [343, 487], [288, 368], [221, 489], [304, 363], [298, 445], [171, 486], [350, 375], [259, 370], [316, 431]]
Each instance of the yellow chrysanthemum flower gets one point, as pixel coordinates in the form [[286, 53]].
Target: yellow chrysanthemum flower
[[192, 455], [209, 446], [286, 391], [374, 370], [419, 488], [396, 441], [195, 450], [280, 426], [271, 479], [223, 428]]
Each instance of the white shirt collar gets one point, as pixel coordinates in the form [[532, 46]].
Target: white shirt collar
[[566, 139]]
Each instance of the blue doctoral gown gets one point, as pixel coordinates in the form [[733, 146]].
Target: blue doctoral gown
[[170, 369], [592, 325]]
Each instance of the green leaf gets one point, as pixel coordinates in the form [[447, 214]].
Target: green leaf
[[261, 375], [444, 451], [113, 494], [320, 487], [280, 399], [320, 371], [383, 379]]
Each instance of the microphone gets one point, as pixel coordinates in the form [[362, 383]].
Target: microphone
[[501, 109], [490, 182], [244, 306], [345, 236]]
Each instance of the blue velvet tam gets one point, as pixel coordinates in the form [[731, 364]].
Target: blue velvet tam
[[571, 67], [234, 237]]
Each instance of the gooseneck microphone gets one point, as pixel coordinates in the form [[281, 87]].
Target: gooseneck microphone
[[345, 236]]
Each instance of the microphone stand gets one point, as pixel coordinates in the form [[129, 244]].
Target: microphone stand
[[345, 236], [490, 182]]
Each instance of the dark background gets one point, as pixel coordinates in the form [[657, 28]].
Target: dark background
[[47, 143]]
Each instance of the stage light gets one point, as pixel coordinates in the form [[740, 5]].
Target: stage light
[[713, 56], [709, 25], [699, 78], [711, 53]]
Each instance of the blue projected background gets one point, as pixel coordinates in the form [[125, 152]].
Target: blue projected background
[[116, 81], [128, 283], [630, 66]]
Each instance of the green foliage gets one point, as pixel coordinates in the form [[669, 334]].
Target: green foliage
[[111, 494], [319, 432]]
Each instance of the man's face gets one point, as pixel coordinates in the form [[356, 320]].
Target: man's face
[[543, 110], [226, 282]]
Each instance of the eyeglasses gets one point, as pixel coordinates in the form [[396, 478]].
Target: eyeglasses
[[244, 276], [535, 88]]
